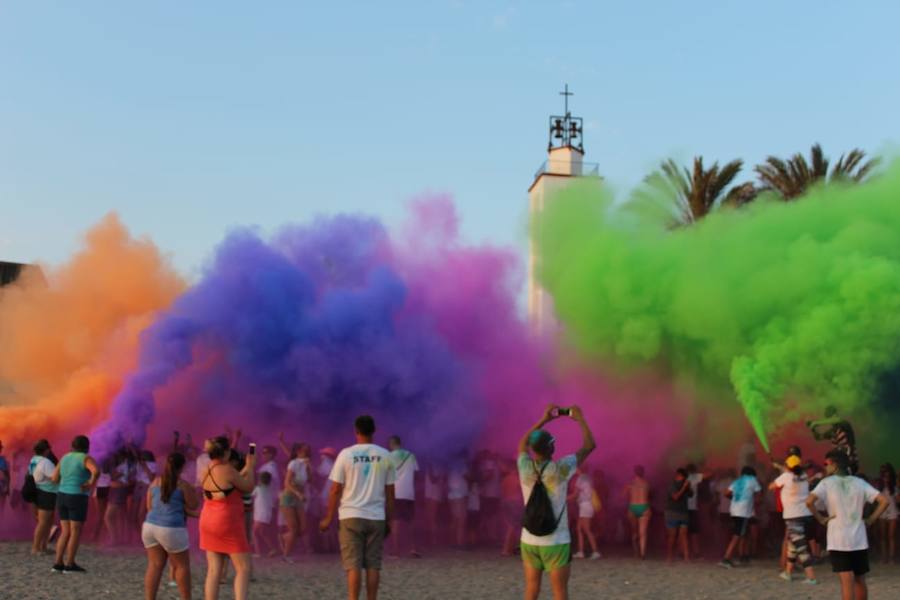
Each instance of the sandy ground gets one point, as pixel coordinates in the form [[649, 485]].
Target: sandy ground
[[469, 575]]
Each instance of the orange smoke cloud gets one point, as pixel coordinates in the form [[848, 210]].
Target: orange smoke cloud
[[67, 340]]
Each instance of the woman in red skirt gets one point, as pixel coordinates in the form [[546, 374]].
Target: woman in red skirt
[[222, 532]]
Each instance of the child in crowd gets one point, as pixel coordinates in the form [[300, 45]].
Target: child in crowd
[[263, 508], [585, 497], [743, 493], [676, 514]]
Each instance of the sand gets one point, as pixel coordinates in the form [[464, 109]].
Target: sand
[[470, 575]]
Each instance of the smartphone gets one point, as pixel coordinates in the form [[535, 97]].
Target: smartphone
[[252, 448], [563, 412]]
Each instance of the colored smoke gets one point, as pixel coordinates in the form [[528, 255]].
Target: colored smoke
[[67, 339], [334, 319], [788, 307]]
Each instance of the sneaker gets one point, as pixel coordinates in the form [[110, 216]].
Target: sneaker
[[811, 581], [58, 568], [73, 568], [726, 564], [595, 556], [172, 584], [578, 555], [786, 576]]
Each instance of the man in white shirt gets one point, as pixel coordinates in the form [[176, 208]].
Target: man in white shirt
[[549, 552], [845, 496], [405, 496], [794, 489], [363, 480]]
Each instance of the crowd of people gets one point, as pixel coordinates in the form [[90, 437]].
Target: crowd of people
[[281, 502]]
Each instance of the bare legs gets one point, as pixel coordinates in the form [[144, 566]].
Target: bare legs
[[679, 534], [639, 528], [289, 536], [41, 531], [853, 587], [67, 545], [887, 531], [216, 568], [559, 581], [458, 512], [584, 530], [354, 583]]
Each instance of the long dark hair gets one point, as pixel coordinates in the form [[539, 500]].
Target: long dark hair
[[169, 480]]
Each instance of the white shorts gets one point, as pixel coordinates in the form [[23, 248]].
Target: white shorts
[[585, 510], [172, 539]]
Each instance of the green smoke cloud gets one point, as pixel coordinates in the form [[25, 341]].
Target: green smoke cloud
[[788, 307]]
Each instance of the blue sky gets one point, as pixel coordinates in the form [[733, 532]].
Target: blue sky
[[191, 118]]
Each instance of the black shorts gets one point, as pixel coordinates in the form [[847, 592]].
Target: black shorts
[[856, 561], [45, 500], [102, 493], [72, 507], [405, 510], [740, 526], [693, 521]]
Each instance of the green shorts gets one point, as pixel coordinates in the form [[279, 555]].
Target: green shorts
[[546, 558]]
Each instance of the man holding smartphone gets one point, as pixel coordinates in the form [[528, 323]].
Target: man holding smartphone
[[550, 552]]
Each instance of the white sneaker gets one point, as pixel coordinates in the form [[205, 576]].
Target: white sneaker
[[785, 575], [578, 555], [595, 556]]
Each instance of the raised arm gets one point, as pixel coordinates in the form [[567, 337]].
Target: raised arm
[[587, 438], [245, 480], [546, 418], [283, 445]]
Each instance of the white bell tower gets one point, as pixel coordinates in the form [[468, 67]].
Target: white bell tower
[[565, 161]]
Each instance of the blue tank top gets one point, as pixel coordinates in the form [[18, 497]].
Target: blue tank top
[[72, 474], [166, 514]]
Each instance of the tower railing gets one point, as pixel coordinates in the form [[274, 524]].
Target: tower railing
[[565, 167]]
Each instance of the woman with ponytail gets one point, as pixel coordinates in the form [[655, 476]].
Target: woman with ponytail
[[170, 500]]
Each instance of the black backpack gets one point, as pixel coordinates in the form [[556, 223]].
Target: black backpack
[[29, 489], [539, 519]]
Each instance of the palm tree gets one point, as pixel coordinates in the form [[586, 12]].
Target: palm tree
[[697, 193], [791, 178]]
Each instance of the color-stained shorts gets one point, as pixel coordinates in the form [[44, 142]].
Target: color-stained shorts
[[546, 558], [289, 499], [172, 539], [361, 542]]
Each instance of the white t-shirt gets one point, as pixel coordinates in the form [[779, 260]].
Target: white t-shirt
[[490, 471], [434, 488], [845, 497], [272, 469], [142, 476], [473, 504], [891, 512], [364, 470], [43, 473], [457, 486], [406, 466], [743, 489], [794, 491], [694, 479], [324, 470], [556, 480], [263, 503], [299, 469], [585, 489]]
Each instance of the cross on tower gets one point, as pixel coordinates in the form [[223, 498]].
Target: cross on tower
[[565, 130], [566, 93]]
